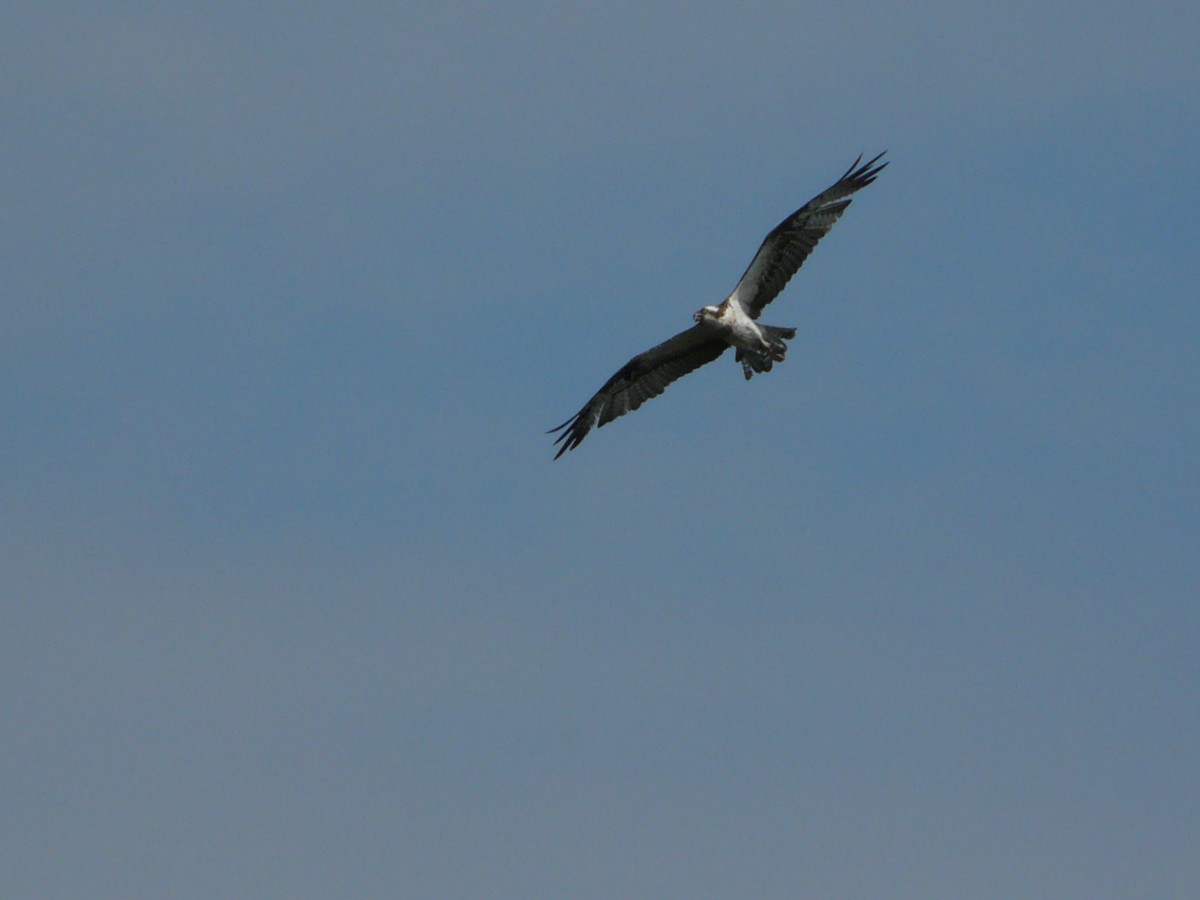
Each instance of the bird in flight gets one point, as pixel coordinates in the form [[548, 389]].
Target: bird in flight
[[733, 322]]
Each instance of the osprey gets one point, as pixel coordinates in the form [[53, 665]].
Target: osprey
[[733, 322]]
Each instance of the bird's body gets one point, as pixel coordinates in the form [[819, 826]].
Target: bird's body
[[758, 346], [737, 328], [731, 323]]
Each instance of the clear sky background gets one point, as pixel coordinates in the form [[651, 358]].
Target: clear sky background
[[296, 604]]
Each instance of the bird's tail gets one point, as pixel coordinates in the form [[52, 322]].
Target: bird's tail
[[776, 351], [776, 336]]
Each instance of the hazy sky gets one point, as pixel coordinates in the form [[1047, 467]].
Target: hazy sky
[[296, 604]]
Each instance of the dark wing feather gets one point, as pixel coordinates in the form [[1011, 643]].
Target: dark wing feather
[[788, 245], [643, 377]]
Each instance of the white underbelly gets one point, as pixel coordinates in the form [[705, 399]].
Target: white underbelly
[[743, 332]]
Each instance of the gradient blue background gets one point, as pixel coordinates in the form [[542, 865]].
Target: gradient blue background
[[295, 604]]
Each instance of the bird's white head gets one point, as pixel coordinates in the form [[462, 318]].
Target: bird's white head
[[706, 312]]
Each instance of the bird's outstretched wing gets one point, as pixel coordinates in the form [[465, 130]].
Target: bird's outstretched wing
[[643, 377], [788, 245]]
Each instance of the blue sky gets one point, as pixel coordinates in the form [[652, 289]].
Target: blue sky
[[295, 603]]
